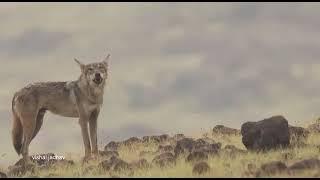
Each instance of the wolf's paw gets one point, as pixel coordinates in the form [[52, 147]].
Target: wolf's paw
[[87, 159], [29, 164], [95, 156]]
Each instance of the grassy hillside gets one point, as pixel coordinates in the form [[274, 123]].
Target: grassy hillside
[[223, 164]]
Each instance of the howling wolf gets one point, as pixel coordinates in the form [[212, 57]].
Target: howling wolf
[[78, 99]]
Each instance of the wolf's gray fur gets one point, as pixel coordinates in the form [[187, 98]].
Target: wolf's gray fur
[[81, 98]]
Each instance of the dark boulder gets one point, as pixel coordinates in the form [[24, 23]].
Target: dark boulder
[[306, 164], [184, 146], [165, 159], [315, 127], [39, 159], [188, 145], [210, 149], [178, 137], [298, 134], [108, 154], [266, 134], [112, 146], [164, 138], [200, 168], [131, 141], [151, 139], [123, 168], [164, 149], [117, 165], [197, 156], [271, 168], [206, 140]]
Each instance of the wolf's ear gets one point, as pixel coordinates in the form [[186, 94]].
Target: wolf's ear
[[80, 64], [106, 60]]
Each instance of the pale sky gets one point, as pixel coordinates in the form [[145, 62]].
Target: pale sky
[[175, 67]]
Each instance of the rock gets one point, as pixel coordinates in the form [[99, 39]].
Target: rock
[[298, 134], [201, 142], [165, 159], [315, 127], [197, 156], [164, 149], [151, 139], [188, 145], [39, 159], [108, 154], [230, 147], [206, 140], [112, 146], [306, 164], [164, 138], [271, 168], [109, 164], [117, 165], [156, 139], [220, 129], [141, 164], [178, 137], [131, 141], [200, 168], [266, 134], [123, 168], [210, 149], [3, 175], [183, 146]]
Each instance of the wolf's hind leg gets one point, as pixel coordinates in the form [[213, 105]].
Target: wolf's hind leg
[[29, 125], [39, 122]]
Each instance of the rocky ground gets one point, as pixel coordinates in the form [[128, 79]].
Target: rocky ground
[[267, 148]]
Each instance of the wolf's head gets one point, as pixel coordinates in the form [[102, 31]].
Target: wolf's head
[[95, 74]]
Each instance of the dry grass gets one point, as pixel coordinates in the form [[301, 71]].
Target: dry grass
[[221, 166]]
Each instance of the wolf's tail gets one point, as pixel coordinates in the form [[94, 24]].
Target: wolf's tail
[[17, 130]]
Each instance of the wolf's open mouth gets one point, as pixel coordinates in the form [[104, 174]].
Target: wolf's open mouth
[[97, 80]]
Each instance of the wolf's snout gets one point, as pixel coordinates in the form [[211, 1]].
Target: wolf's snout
[[97, 78]]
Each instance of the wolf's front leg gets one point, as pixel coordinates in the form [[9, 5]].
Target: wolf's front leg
[[93, 131], [85, 135]]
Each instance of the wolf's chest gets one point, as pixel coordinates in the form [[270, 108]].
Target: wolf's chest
[[89, 108]]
